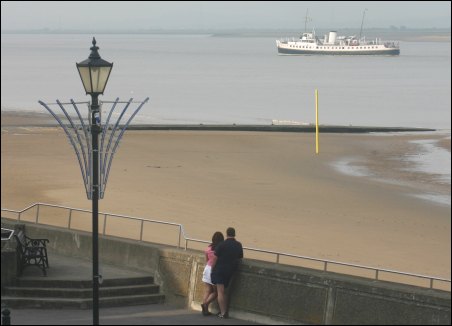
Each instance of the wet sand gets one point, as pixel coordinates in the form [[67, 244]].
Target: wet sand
[[272, 187]]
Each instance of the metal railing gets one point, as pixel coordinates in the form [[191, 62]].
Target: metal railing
[[9, 232], [181, 233]]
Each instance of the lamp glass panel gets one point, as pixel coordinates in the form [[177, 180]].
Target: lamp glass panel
[[86, 80], [99, 77]]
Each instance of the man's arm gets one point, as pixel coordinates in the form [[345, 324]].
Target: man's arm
[[214, 261], [218, 252]]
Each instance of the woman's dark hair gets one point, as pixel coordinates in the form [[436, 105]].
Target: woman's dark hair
[[216, 239]]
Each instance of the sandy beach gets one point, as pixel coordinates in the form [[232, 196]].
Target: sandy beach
[[272, 187]]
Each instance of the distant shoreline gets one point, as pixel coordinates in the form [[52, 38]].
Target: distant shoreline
[[277, 128], [400, 34], [35, 119]]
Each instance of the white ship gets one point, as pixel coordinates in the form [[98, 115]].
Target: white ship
[[332, 44]]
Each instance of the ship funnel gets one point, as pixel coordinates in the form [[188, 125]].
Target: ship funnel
[[332, 37]]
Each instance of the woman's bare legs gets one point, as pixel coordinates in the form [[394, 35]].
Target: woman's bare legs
[[210, 294], [221, 298], [208, 290]]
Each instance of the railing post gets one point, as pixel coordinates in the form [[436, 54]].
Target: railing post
[[37, 214], [431, 283], [376, 274], [105, 224], [324, 267], [186, 244], [141, 231], [70, 219], [180, 233], [277, 258]]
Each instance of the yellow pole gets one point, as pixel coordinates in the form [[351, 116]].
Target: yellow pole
[[316, 121]]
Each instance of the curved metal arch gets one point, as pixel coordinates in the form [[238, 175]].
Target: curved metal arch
[[85, 177], [88, 191], [104, 166], [102, 155], [105, 156], [87, 138], [117, 143]]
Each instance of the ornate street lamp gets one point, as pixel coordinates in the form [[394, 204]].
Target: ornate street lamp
[[94, 73]]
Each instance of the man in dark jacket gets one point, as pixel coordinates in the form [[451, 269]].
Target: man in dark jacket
[[227, 257]]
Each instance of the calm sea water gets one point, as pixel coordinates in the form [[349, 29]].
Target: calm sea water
[[428, 158], [207, 79]]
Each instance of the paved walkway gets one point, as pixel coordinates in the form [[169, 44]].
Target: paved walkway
[[69, 268], [156, 314], [65, 268]]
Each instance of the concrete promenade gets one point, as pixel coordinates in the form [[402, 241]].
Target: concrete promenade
[[157, 314], [66, 268], [259, 292]]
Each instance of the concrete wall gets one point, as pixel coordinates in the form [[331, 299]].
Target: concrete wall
[[261, 291], [9, 259], [9, 267]]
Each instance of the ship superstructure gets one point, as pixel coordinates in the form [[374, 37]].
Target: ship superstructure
[[333, 44]]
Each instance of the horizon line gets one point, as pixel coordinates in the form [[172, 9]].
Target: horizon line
[[206, 30]]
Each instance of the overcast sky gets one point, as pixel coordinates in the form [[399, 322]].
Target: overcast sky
[[130, 15]]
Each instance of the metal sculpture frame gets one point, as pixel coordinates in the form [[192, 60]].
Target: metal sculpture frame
[[77, 132]]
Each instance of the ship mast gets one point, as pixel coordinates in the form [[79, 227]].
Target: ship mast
[[362, 23], [306, 20]]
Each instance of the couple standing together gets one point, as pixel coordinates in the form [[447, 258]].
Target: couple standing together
[[223, 257]]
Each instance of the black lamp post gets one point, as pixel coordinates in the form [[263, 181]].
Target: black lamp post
[[94, 73]]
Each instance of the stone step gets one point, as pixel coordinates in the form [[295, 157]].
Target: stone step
[[43, 282], [61, 303], [111, 291], [48, 293]]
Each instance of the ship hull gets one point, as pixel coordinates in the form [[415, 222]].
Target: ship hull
[[286, 51]]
